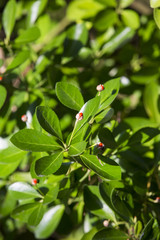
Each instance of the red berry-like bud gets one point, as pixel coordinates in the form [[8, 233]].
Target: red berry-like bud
[[1, 78], [157, 200], [100, 88], [34, 181], [100, 145], [24, 118], [79, 116]]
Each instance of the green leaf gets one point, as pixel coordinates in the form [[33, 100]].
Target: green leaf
[[51, 194], [125, 3], [143, 135], [118, 39], [89, 235], [36, 215], [9, 17], [3, 95], [113, 198], [35, 10], [49, 121], [7, 169], [76, 38], [23, 212], [69, 95], [89, 109], [110, 234], [18, 60], [156, 14], [107, 169], [106, 137], [105, 19], [10, 159], [49, 222], [32, 140], [11, 155], [151, 96], [109, 93], [77, 148], [104, 116], [48, 165], [81, 9], [137, 123], [22, 190], [155, 3], [138, 228], [95, 203], [28, 35], [147, 230], [145, 75], [130, 18]]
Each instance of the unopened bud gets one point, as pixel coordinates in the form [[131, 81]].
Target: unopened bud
[[34, 181], [100, 88], [79, 116], [24, 118], [100, 145]]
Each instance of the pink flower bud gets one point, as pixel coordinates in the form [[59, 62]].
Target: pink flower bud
[[100, 88], [24, 118], [157, 200], [79, 116], [34, 181]]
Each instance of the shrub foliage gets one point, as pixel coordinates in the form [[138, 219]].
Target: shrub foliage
[[79, 120]]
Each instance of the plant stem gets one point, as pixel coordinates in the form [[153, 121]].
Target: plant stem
[[72, 133]]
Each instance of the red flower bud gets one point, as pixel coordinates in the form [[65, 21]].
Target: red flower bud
[[100, 88], [24, 118], [34, 181], [1, 78], [79, 116], [157, 200], [100, 145]]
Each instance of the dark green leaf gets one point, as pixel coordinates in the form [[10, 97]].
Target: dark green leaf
[[48, 165], [9, 17], [110, 234], [147, 230], [95, 203], [3, 95], [28, 35], [106, 137], [69, 95], [143, 135], [22, 190], [77, 36], [77, 148], [49, 222], [32, 140], [49, 121], [107, 169], [18, 60]]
